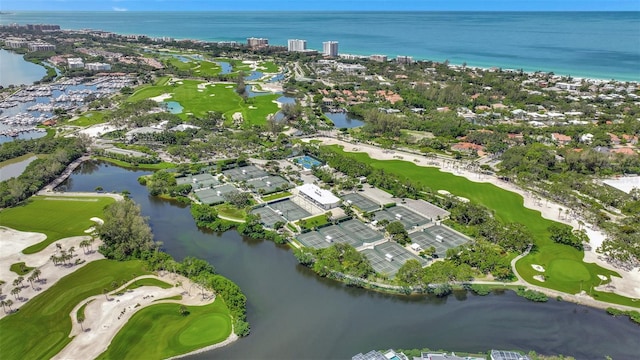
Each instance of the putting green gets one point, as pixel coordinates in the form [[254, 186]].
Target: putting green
[[160, 331], [569, 270]]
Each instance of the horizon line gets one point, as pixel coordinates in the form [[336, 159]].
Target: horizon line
[[323, 10]]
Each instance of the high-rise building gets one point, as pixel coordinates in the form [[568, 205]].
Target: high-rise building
[[257, 42], [330, 48], [401, 59], [297, 45]]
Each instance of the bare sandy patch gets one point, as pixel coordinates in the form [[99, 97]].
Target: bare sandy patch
[[12, 243], [161, 98], [97, 220], [539, 277]]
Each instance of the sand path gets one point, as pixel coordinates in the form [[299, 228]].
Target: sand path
[[628, 285]]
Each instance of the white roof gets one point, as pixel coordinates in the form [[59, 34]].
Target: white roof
[[321, 196]]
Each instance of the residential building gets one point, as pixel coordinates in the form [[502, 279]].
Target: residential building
[[41, 46], [43, 27], [401, 59], [438, 356], [560, 139], [320, 197], [97, 66], [75, 63], [254, 43], [377, 355], [378, 58], [16, 43], [330, 48], [296, 45]]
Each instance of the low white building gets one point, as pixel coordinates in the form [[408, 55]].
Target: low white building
[[320, 197], [97, 66], [75, 63]]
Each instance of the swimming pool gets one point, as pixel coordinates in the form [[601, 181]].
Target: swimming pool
[[307, 161]]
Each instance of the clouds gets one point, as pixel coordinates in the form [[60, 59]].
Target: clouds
[[116, 8]]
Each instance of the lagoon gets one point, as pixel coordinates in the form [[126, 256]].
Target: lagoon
[[14, 70], [296, 314], [15, 167]]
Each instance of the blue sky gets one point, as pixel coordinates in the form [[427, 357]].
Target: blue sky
[[306, 5]]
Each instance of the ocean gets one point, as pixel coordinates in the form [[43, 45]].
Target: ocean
[[604, 45]]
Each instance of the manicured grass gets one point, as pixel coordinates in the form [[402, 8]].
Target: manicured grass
[[160, 331], [20, 268], [90, 118], [509, 207], [177, 297], [313, 222], [231, 212], [149, 282], [276, 196], [40, 329], [196, 67], [158, 166], [56, 217], [269, 67], [218, 97]]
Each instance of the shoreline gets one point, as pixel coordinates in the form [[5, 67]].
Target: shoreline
[[457, 58]]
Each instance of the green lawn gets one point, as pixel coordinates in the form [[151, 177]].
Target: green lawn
[[565, 270], [16, 160], [56, 217], [276, 196], [218, 97], [20, 268], [231, 212], [196, 67], [313, 222], [160, 331], [89, 118], [40, 329], [159, 166], [149, 282]]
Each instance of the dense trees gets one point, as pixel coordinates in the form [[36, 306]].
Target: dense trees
[[338, 258], [125, 233], [397, 232], [59, 153], [563, 234]]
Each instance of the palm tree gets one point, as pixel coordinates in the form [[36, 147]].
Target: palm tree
[[30, 279], [72, 250], [84, 244], [18, 281], [8, 303], [58, 246], [15, 291], [3, 304], [37, 273]]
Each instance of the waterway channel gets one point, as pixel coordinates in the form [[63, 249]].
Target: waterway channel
[[295, 314]]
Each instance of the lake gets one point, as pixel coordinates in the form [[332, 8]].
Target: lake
[[15, 167], [14, 70], [296, 314], [343, 120]]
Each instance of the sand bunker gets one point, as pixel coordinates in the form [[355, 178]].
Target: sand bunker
[[539, 278], [537, 267], [97, 220], [161, 98]]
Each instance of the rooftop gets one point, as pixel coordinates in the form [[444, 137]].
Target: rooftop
[[321, 196]]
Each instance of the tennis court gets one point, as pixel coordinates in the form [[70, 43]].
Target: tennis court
[[313, 239], [400, 254], [307, 161], [339, 235], [245, 173], [200, 181], [290, 210], [268, 217], [215, 195], [357, 230], [361, 202], [380, 264], [269, 184], [425, 242], [407, 217], [440, 237]]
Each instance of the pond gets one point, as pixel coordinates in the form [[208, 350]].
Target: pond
[[226, 67], [174, 107], [343, 120], [295, 314], [255, 75]]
